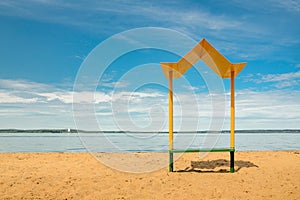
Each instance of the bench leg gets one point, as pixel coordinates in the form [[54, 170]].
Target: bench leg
[[232, 161], [171, 167]]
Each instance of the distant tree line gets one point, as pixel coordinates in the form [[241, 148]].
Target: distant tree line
[[37, 131], [161, 132]]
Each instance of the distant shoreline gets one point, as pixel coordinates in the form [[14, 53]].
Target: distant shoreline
[[84, 131]]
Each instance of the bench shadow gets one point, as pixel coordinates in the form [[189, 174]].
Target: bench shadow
[[210, 165]]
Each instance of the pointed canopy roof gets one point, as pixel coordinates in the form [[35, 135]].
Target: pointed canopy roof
[[209, 55]]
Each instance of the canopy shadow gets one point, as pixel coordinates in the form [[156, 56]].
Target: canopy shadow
[[210, 165]]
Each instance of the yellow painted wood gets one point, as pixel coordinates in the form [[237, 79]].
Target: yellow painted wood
[[232, 112], [171, 110], [209, 55]]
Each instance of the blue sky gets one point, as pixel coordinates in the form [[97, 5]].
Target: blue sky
[[44, 42]]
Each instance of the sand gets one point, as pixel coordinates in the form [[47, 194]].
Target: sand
[[259, 175]]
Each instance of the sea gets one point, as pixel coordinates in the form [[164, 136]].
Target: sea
[[144, 142]]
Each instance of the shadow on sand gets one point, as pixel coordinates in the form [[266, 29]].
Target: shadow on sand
[[210, 165]]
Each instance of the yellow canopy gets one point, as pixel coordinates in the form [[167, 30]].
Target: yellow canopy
[[210, 56]]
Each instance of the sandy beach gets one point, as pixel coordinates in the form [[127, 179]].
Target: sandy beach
[[259, 175]]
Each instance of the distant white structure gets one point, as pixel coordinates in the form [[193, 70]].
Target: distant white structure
[[69, 130]]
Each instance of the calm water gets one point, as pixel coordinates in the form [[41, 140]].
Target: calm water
[[51, 142]]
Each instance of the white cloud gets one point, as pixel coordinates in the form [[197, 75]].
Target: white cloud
[[269, 104], [191, 88], [269, 5], [22, 85], [7, 97], [130, 110], [277, 109], [119, 84], [249, 25], [290, 5], [280, 77], [278, 80], [171, 15]]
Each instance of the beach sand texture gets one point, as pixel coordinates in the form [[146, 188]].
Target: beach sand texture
[[259, 175]]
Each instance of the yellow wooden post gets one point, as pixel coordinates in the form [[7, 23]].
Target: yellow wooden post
[[232, 111], [170, 120], [232, 127]]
